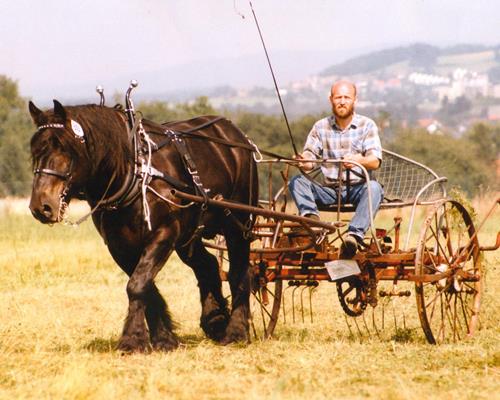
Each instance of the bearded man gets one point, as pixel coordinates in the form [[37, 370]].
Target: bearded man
[[345, 136]]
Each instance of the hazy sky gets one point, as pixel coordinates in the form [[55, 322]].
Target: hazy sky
[[55, 43]]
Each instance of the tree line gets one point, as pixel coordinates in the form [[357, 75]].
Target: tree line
[[469, 161]]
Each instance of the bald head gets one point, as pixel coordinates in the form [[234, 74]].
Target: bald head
[[345, 85], [343, 100]]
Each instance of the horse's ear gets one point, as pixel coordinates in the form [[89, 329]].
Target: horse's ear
[[37, 115], [59, 110]]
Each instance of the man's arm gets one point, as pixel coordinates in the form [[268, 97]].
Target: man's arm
[[369, 161], [312, 148], [306, 166]]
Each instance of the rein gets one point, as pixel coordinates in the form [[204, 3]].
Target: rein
[[251, 146]]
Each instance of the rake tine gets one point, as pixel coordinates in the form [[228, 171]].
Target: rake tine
[[311, 291], [394, 317], [374, 323], [302, 302], [284, 302], [366, 325], [293, 303], [348, 325], [357, 327]]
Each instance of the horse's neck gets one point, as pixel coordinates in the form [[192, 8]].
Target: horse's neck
[[111, 163]]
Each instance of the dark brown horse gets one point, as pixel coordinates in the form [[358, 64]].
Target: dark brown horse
[[87, 152]]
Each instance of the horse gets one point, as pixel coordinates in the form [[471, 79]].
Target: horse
[[88, 152]]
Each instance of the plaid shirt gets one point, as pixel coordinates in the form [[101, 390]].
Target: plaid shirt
[[327, 141]]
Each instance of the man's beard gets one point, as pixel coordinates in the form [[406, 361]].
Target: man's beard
[[344, 112]]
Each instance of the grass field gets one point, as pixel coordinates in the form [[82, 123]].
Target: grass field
[[63, 301]]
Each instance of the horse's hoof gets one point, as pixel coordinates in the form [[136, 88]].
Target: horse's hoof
[[235, 336], [133, 345], [167, 343], [215, 327]]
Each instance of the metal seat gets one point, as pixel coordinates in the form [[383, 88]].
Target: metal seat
[[405, 182]]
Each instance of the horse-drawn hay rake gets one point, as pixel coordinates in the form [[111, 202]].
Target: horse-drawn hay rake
[[441, 261]]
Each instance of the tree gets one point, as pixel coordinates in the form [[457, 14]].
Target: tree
[[456, 158], [15, 130]]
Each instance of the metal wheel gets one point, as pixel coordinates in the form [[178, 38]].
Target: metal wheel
[[266, 292], [448, 307], [352, 296], [265, 300]]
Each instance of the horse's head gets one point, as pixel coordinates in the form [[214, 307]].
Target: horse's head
[[59, 162]]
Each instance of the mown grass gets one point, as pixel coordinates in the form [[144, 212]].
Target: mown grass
[[63, 301]]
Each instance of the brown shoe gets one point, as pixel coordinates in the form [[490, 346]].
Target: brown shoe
[[348, 248]]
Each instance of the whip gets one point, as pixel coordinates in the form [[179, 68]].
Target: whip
[[274, 79]]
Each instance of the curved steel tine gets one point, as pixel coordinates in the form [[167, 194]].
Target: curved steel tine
[[366, 326], [311, 292], [394, 316], [374, 324], [284, 304], [302, 302], [346, 319], [357, 327], [261, 306], [293, 303]]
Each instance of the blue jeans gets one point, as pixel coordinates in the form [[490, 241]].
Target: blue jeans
[[307, 195]]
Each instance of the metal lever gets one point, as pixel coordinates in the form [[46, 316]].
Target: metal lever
[[99, 89], [129, 104]]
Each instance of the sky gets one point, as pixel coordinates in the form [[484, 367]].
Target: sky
[[56, 47]]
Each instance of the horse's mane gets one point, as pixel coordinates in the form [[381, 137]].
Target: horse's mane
[[106, 140]]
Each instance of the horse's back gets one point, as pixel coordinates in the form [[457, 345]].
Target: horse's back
[[221, 153]]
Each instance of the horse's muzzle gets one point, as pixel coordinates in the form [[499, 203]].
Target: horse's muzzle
[[44, 210]]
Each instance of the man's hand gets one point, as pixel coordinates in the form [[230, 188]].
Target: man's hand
[[369, 162], [306, 166], [353, 157]]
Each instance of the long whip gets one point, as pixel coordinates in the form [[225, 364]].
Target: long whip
[[274, 79]]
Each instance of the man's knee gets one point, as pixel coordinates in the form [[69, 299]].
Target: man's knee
[[296, 182], [376, 190]]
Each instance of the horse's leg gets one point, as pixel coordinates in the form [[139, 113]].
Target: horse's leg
[[161, 326], [239, 281], [140, 291], [214, 314], [158, 316]]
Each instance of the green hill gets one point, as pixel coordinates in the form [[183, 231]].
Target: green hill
[[423, 58]]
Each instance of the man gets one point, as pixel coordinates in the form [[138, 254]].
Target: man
[[351, 137]]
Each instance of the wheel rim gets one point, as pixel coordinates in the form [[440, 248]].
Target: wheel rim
[[265, 301], [352, 296], [265, 297], [449, 307]]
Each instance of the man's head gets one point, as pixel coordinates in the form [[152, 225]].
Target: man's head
[[343, 99]]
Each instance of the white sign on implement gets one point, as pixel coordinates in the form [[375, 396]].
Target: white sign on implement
[[339, 269]]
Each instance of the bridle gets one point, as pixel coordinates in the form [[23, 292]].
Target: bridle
[[64, 176], [125, 195]]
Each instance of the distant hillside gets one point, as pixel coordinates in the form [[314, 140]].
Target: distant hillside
[[422, 57]]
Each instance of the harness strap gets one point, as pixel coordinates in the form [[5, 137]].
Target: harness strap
[[48, 171], [192, 170], [199, 127], [154, 173], [196, 135], [125, 195]]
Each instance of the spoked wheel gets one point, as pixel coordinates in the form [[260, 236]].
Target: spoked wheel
[[448, 307], [352, 296], [265, 297], [265, 300]]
